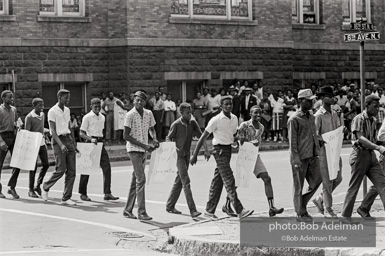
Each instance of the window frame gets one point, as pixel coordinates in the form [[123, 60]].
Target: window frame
[[58, 10], [5, 10], [228, 17], [353, 12], [300, 12]]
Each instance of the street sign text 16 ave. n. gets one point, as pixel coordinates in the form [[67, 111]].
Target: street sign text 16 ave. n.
[[362, 36]]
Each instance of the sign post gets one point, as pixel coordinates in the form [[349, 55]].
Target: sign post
[[365, 33]]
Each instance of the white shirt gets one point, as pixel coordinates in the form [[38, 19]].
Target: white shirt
[[60, 118], [277, 105], [214, 102], [247, 98], [93, 124], [169, 105], [223, 128]]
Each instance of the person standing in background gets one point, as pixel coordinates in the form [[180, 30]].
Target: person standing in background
[[120, 111], [237, 101], [169, 113], [158, 111], [199, 107]]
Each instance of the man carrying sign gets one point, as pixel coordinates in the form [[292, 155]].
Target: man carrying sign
[[327, 120], [251, 131], [92, 131], [224, 128], [137, 124], [8, 117], [363, 160]]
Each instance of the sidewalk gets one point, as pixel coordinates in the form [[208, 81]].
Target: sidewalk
[[222, 237]]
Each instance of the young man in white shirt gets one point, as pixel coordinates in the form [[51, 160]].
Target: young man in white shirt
[[92, 131], [63, 146], [224, 128]]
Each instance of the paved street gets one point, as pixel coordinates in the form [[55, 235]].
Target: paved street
[[32, 226]]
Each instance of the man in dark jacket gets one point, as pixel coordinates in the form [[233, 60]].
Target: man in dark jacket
[[247, 102]]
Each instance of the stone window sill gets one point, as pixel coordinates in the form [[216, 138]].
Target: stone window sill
[[11, 18], [181, 20], [42, 18], [309, 26]]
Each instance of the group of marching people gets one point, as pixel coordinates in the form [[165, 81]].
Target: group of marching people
[[307, 153]]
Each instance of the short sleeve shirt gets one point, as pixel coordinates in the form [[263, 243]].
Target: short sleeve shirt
[[223, 128], [362, 123], [93, 124], [325, 121], [139, 127], [60, 118], [7, 118], [248, 132]]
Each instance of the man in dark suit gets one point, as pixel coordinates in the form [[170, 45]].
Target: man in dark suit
[[248, 101], [236, 101]]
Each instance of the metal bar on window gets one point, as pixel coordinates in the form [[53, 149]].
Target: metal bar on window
[[368, 13], [300, 11], [184, 91], [250, 7], [85, 98], [316, 10], [191, 8], [6, 7], [228, 9]]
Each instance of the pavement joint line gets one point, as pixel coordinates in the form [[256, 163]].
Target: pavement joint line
[[79, 221], [123, 198]]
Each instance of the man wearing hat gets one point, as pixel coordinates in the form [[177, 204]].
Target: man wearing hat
[[304, 150], [63, 147], [326, 120], [223, 127], [137, 124], [363, 160], [248, 101], [236, 101]]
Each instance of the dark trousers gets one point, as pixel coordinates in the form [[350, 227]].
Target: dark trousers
[[43, 154], [182, 180], [138, 182], [106, 168], [65, 164], [310, 170], [9, 138], [368, 201], [223, 175], [158, 125], [363, 162], [110, 125]]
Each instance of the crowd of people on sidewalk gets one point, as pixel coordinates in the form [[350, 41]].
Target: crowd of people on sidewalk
[[244, 115]]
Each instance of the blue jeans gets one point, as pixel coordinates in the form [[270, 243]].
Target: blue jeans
[[138, 182]]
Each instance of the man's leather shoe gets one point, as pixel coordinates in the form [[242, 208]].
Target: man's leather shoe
[[31, 193], [12, 192], [110, 197], [195, 214], [144, 216], [303, 218], [37, 189], [129, 215], [173, 210], [274, 211], [364, 213], [349, 220], [85, 198], [1, 195], [319, 205], [212, 216], [229, 211], [245, 213]]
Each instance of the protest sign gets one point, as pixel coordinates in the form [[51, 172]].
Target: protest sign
[[247, 158], [333, 150], [163, 163], [25, 150], [88, 160]]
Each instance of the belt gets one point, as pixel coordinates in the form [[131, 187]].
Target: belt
[[8, 132], [65, 135], [100, 139], [221, 145]]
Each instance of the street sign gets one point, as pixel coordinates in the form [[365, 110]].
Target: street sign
[[362, 36], [361, 26]]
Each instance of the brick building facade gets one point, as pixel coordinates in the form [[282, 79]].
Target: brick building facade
[[93, 46]]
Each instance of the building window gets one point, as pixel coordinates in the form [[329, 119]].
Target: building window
[[78, 98], [305, 11], [4, 7], [62, 7], [212, 9], [353, 10]]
